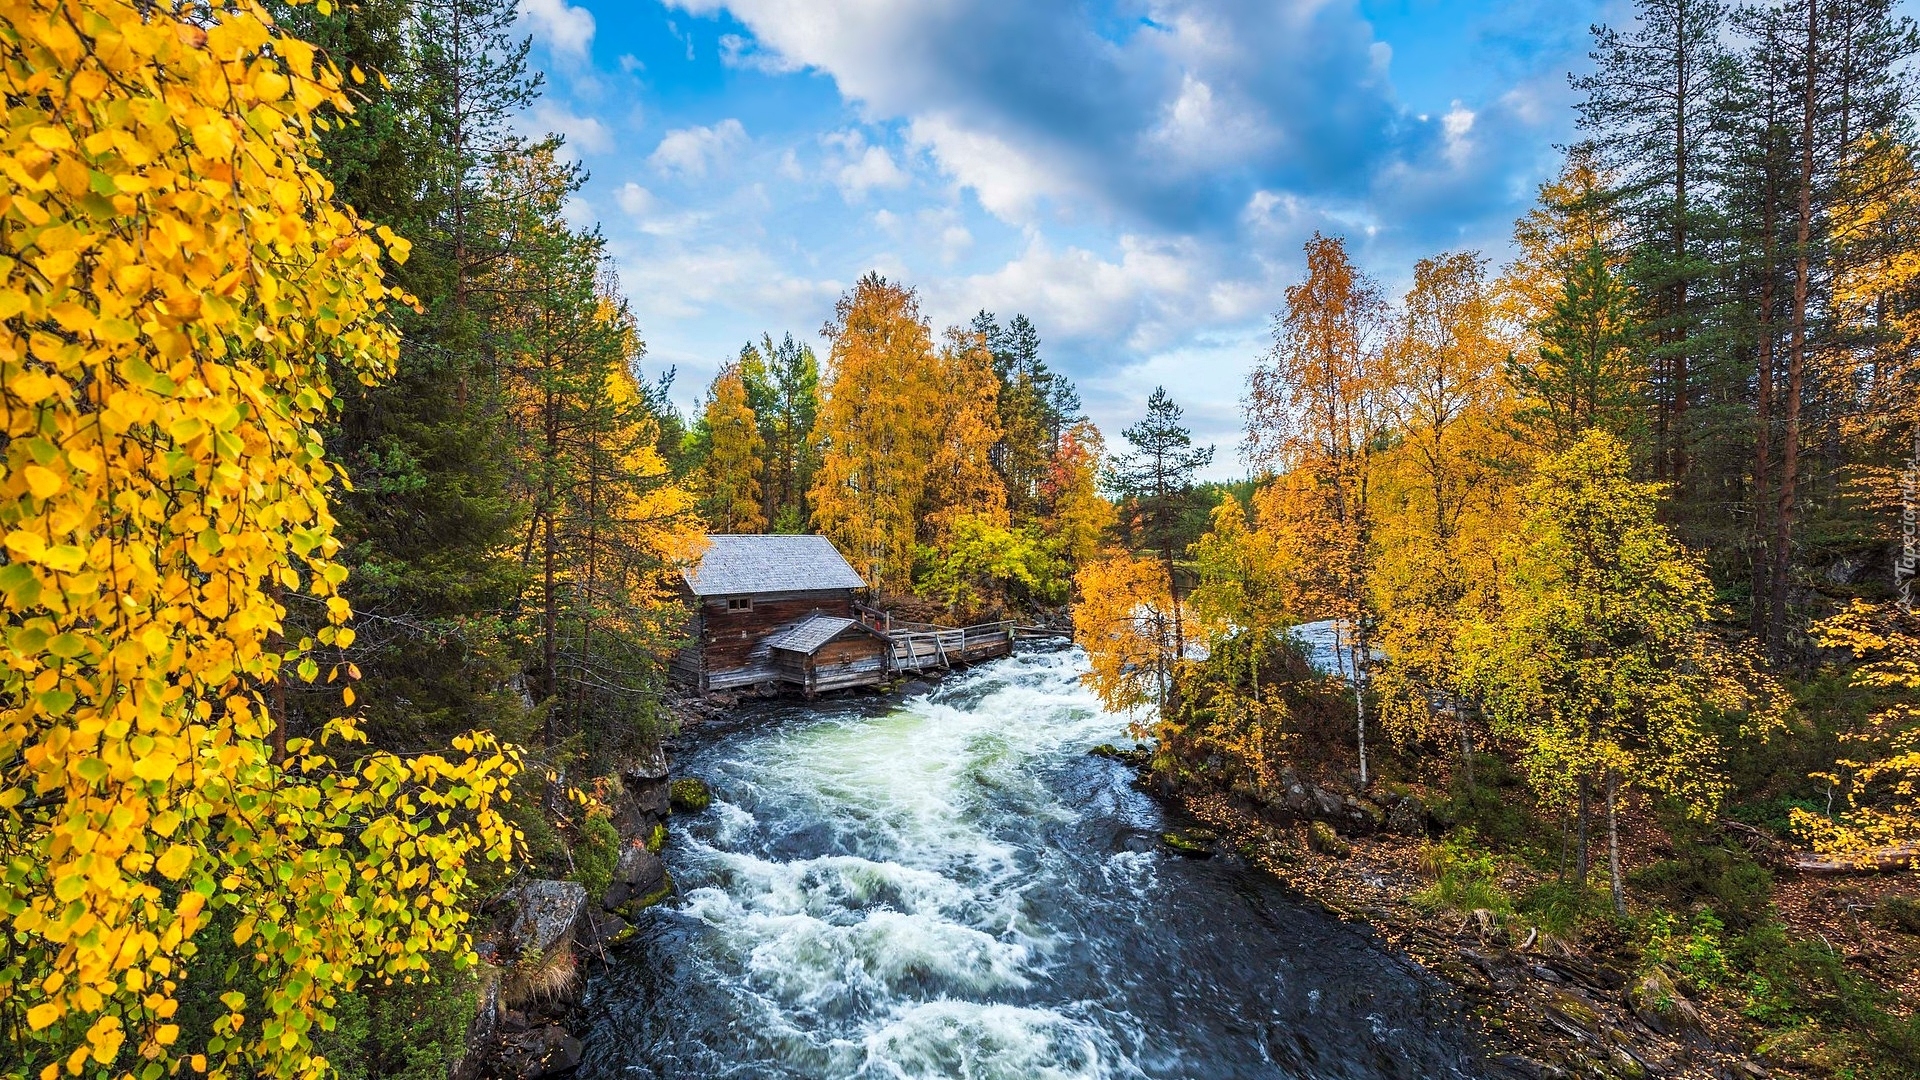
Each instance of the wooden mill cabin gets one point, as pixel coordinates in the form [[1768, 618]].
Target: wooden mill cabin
[[781, 609]]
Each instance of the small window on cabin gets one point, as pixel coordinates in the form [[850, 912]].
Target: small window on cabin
[[739, 603]]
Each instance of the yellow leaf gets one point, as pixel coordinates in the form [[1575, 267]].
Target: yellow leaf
[[41, 1016], [175, 862], [43, 482]]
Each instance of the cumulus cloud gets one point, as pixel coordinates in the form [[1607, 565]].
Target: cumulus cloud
[[863, 166], [634, 200], [583, 133], [1172, 123], [691, 152], [558, 25], [1153, 174]]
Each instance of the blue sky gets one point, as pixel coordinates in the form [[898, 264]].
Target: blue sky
[[1136, 176]]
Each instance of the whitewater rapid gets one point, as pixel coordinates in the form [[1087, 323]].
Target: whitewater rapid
[[950, 886]]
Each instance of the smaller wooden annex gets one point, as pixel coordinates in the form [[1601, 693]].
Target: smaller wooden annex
[[777, 609]]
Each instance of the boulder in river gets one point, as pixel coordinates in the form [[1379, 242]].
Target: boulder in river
[[640, 880], [644, 799], [689, 795], [1187, 844]]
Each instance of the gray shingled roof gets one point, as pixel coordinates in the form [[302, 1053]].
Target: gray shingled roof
[[810, 633], [740, 565]]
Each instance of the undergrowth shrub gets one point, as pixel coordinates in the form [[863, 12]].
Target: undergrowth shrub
[[1690, 946], [1465, 878], [595, 853]]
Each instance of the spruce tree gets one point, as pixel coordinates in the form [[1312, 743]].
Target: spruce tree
[[1648, 107], [1157, 478]]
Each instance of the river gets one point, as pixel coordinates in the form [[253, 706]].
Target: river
[[950, 886]]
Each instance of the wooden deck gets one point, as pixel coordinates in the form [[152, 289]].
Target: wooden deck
[[906, 648]]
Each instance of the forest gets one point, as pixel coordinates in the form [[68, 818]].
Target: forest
[[1617, 537], [343, 511]]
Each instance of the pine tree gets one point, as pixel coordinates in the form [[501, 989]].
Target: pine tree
[[1036, 407], [1157, 479], [1649, 105], [429, 522], [1588, 372], [783, 389]]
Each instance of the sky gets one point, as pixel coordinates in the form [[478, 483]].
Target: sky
[[1135, 176]]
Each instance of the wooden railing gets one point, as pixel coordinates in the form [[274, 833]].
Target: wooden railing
[[918, 646]]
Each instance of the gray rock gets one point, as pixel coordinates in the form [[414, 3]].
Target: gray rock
[[644, 796], [545, 914], [1656, 999], [1408, 818], [600, 931], [639, 878], [545, 1051]]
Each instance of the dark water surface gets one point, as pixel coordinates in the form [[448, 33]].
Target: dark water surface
[[950, 886]]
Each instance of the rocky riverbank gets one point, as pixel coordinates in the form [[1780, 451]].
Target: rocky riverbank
[[542, 934], [1548, 1009]]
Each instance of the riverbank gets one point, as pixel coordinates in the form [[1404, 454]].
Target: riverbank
[[1551, 1008]]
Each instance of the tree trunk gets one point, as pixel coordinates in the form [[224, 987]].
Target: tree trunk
[[1173, 595], [1763, 427], [1613, 843], [1466, 751], [1677, 428], [1797, 350], [1582, 853], [550, 616]]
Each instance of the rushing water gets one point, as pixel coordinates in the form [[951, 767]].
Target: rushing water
[[950, 886]]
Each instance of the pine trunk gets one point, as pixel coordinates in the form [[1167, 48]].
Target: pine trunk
[[1763, 427], [1797, 350], [1677, 426]]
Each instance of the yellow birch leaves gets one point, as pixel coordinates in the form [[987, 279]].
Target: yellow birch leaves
[[176, 286]]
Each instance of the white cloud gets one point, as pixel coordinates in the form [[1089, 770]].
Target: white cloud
[[744, 52], [1455, 126], [562, 27], [692, 151], [1007, 181], [874, 168], [634, 200], [583, 133], [955, 241]]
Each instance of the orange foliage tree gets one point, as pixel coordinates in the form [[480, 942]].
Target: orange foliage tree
[[1318, 408]]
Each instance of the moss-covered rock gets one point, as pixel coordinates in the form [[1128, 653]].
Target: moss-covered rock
[[689, 795], [1186, 845], [1656, 999], [657, 838], [641, 903], [1322, 838]]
